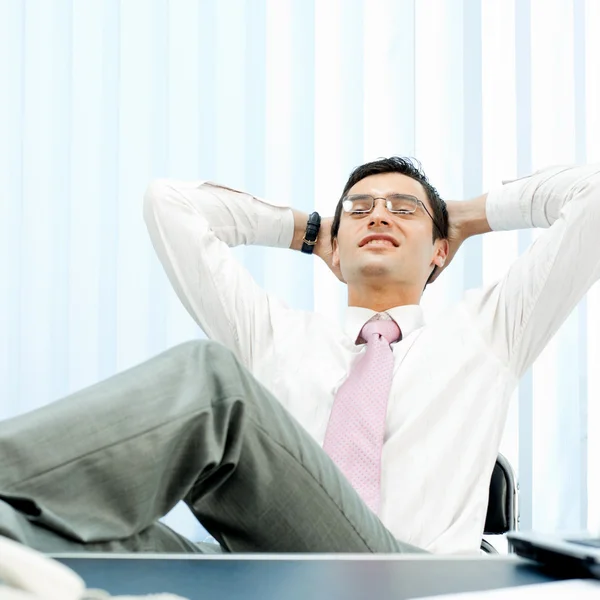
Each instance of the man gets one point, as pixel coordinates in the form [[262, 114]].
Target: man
[[376, 436]]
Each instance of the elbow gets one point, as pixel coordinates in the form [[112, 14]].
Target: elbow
[[586, 195], [161, 200], [156, 195]]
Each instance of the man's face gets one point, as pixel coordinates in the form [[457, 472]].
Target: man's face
[[405, 254]]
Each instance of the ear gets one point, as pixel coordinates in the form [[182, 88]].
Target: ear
[[335, 254], [441, 254]]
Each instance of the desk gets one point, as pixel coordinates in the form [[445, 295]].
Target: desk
[[300, 577]]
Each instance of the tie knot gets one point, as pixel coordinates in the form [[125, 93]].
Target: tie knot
[[386, 328]]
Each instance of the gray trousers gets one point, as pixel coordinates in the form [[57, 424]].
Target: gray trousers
[[96, 470]]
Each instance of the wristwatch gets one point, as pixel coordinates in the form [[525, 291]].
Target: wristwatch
[[312, 231]]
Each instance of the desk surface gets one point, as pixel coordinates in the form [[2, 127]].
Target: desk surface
[[318, 577]]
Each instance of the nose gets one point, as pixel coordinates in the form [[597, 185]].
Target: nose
[[379, 215]]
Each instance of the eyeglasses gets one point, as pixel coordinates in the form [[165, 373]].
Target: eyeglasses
[[397, 204]]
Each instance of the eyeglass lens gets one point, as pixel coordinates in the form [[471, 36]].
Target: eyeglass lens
[[396, 203]]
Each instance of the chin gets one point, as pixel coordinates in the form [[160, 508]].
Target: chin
[[373, 264], [375, 268]]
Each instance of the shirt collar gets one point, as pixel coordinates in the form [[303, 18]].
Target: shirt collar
[[409, 318]]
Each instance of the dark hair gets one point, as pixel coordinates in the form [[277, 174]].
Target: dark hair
[[405, 166]]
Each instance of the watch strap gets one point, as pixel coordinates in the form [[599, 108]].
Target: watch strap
[[312, 232]]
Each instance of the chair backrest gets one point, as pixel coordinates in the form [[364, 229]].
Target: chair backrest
[[502, 512]]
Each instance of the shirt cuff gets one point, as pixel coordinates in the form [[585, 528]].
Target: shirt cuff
[[507, 206], [278, 230]]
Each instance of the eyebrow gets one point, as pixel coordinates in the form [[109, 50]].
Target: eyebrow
[[383, 195]]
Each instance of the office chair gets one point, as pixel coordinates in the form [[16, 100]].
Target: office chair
[[502, 504]]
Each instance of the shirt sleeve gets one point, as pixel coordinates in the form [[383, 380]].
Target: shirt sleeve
[[193, 226], [519, 314]]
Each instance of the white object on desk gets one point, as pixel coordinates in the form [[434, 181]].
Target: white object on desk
[[26, 574], [35, 574], [574, 589]]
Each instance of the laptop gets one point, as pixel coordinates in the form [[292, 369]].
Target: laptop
[[579, 552]]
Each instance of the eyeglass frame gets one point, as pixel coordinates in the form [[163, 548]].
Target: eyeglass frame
[[373, 198]]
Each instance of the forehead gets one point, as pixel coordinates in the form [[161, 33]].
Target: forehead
[[389, 183]]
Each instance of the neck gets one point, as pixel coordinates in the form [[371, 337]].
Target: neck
[[382, 298]]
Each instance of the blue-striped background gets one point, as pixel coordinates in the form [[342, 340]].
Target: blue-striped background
[[283, 98]]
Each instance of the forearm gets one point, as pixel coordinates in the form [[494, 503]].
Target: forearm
[[233, 216], [470, 217], [533, 201], [538, 200], [300, 221]]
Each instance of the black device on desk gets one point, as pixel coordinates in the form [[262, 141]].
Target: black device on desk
[[564, 552], [301, 577]]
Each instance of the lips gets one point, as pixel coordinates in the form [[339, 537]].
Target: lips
[[378, 240]]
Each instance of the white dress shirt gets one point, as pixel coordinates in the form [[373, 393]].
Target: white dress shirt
[[453, 377]]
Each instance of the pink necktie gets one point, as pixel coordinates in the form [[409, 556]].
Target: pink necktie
[[354, 436]]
